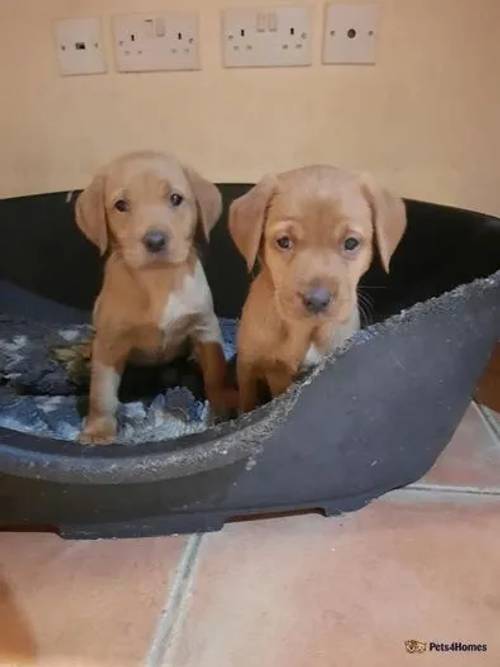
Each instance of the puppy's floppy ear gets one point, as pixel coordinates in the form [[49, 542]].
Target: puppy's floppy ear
[[208, 199], [389, 218], [247, 216], [91, 213]]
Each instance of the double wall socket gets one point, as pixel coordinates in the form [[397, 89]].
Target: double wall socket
[[350, 34], [251, 37], [156, 41], [267, 37]]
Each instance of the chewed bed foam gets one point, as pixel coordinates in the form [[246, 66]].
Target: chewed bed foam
[[24, 350]]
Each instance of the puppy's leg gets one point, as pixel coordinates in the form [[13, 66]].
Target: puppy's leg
[[279, 379], [221, 396], [282, 373], [108, 363], [206, 338], [248, 385]]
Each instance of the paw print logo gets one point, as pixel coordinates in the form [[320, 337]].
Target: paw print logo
[[415, 646]]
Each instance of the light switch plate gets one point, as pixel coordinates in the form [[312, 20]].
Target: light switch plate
[[79, 46], [350, 34], [266, 37], [156, 41]]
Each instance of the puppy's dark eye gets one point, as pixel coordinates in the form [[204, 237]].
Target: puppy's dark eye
[[351, 244], [122, 205], [176, 199], [284, 242]]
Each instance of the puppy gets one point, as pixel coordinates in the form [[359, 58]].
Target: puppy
[[155, 303], [313, 230]]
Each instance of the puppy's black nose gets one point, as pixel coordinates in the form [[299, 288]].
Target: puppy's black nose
[[317, 300], [155, 241]]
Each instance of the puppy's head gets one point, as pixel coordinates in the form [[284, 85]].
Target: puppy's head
[[147, 206], [314, 229]]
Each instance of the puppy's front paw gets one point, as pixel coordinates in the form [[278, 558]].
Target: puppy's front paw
[[101, 431], [224, 401]]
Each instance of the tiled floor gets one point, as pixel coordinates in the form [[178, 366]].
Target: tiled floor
[[420, 563]]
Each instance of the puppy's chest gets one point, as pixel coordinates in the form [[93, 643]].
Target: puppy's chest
[[328, 340], [175, 319], [184, 307]]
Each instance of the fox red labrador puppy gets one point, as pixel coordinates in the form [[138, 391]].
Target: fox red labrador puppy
[[155, 304], [314, 230]]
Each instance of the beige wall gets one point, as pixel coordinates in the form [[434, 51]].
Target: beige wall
[[425, 119]]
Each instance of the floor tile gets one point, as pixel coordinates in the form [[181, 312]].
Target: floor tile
[[74, 603], [488, 389], [307, 591], [471, 459], [494, 419]]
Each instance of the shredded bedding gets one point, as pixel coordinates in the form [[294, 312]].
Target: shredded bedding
[[44, 375]]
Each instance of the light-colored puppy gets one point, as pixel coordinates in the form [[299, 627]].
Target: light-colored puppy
[[313, 230], [155, 303]]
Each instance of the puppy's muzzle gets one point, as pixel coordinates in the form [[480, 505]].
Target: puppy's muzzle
[[317, 300], [155, 241]]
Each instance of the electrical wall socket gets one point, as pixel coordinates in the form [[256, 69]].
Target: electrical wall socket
[[79, 46], [156, 41], [350, 34], [267, 37]]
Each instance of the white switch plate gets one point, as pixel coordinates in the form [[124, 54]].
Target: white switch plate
[[350, 34], [79, 46], [267, 37], [156, 41]]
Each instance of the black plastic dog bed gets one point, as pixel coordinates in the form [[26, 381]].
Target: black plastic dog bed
[[374, 418]]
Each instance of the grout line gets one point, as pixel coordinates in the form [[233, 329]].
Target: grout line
[[174, 603], [442, 488], [490, 423]]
